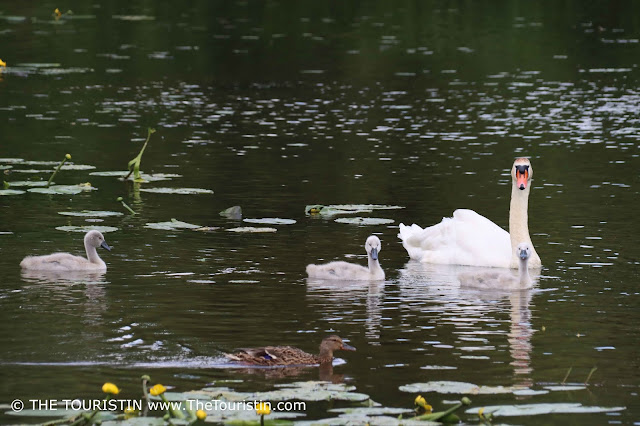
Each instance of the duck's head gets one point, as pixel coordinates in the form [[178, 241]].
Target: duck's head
[[521, 173], [373, 246], [523, 251], [95, 239], [334, 343]]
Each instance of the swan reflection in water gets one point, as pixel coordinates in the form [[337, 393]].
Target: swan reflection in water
[[436, 292], [334, 295]]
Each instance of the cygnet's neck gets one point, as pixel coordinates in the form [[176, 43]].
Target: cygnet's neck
[[92, 254], [374, 267], [525, 278]]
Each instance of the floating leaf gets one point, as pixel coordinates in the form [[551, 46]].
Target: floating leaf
[[182, 191], [456, 387], [364, 220], [86, 228], [565, 388], [340, 209], [251, 229], [548, 408], [28, 183], [64, 189], [171, 225], [11, 192], [11, 160], [91, 213], [234, 212], [77, 167], [154, 177], [134, 17], [271, 221]]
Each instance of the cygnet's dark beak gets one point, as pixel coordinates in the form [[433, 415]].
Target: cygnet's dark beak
[[374, 253], [104, 245], [346, 347], [523, 254]]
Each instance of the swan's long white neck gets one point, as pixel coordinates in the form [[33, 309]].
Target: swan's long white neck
[[92, 254], [525, 279], [519, 222]]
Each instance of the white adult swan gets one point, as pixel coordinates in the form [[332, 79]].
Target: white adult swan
[[470, 239], [68, 262], [349, 271], [499, 279]]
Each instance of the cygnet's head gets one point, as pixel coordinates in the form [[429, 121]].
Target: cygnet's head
[[373, 246], [96, 239], [523, 251], [521, 173]]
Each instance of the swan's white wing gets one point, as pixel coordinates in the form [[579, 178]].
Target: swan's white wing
[[467, 238]]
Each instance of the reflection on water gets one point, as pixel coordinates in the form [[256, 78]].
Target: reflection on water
[[435, 290]]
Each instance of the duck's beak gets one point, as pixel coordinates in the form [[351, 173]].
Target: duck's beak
[[374, 253], [522, 176], [346, 347], [104, 245]]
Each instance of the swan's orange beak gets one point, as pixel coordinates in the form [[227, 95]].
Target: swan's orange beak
[[522, 177]]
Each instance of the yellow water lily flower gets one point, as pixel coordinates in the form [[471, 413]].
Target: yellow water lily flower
[[67, 156], [2, 63], [201, 414], [57, 13], [110, 388], [157, 390], [421, 402], [263, 408]]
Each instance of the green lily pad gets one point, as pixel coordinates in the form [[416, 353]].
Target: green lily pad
[[137, 421], [251, 229], [457, 387], [91, 213], [565, 388], [172, 225], [77, 167], [64, 189], [39, 65], [87, 228], [134, 17], [31, 171], [11, 192], [11, 160], [537, 409], [62, 412], [234, 212], [341, 209], [41, 163], [182, 191], [364, 220], [271, 221], [153, 177], [28, 183]]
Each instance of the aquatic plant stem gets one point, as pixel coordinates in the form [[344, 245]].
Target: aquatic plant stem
[[134, 165], [442, 414], [125, 205], [593, 370], [64, 160], [566, 376]]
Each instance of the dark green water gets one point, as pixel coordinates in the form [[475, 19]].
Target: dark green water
[[276, 105]]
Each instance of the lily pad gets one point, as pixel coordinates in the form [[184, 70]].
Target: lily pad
[[548, 408], [28, 183], [77, 167], [153, 177], [134, 17], [341, 209], [364, 220], [182, 191], [171, 225], [271, 221], [91, 213], [234, 212], [565, 388], [64, 189], [457, 387], [11, 192], [251, 229], [87, 228], [11, 160]]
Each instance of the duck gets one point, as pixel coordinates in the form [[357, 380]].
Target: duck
[[68, 262], [349, 271], [288, 355], [500, 278], [468, 238]]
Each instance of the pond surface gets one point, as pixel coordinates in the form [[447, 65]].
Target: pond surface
[[275, 106]]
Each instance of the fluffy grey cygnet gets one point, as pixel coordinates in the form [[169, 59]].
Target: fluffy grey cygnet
[[349, 271], [502, 279], [68, 262]]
